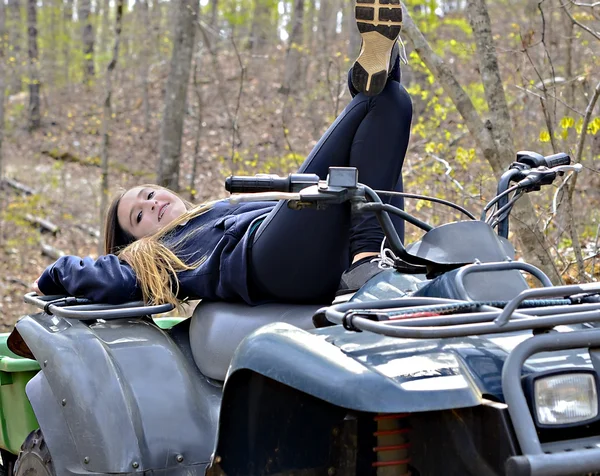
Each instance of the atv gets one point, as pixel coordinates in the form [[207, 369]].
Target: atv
[[445, 363]]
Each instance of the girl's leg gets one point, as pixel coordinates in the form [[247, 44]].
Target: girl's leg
[[300, 255]]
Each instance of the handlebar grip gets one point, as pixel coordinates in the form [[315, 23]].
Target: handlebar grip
[[236, 184], [557, 159]]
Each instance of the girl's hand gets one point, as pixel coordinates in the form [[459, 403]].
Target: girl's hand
[[36, 288]]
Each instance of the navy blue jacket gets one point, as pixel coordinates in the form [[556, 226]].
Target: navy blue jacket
[[219, 238]]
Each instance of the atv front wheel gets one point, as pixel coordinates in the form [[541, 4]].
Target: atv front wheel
[[34, 458], [8, 463]]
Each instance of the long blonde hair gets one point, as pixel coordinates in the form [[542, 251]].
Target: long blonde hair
[[155, 264]]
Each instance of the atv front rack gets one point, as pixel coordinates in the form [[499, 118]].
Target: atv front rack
[[79, 308], [565, 457], [427, 318], [393, 317]]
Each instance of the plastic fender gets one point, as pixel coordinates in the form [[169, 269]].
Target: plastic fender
[[127, 395], [307, 362]]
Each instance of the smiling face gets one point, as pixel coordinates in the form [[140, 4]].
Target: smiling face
[[143, 211]]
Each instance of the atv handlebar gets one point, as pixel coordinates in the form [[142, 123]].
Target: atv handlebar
[[270, 183], [534, 160], [531, 171]]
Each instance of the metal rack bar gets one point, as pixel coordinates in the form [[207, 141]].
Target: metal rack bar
[[78, 308]]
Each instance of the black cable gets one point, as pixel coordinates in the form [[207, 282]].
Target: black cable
[[505, 210], [385, 207], [385, 221], [496, 198], [430, 199]]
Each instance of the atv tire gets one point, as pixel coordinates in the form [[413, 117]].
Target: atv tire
[[8, 463], [34, 458]]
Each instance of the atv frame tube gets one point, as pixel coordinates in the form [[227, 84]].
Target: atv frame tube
[[87, 310]]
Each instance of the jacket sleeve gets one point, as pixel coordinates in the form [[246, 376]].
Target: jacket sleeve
[[106, 279]]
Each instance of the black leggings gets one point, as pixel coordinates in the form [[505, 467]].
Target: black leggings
[[300, 255]]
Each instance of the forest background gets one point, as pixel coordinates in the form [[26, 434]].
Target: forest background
[[101, 95]]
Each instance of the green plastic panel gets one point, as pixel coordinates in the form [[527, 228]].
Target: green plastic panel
[[168, 322], [16, 416]]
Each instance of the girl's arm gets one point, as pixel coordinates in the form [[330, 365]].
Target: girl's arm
[[106, 279]]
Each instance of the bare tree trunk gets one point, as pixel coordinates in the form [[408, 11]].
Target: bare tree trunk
[[570, 36], [262, 30], [106, 118], [309, 25], [199, 120], [176, 94], [156, 19], [87, 38], [66, 31], [51, 56], [15, 41], [293, 56], [494, 136], [124, 73], [327, 22], [2, 91], [105, 25], [214, 12], [34, 79], [354, 39], [144, 59]]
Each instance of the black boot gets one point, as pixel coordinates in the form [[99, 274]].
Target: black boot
[[395, 73], [375, 61], [355, 276]]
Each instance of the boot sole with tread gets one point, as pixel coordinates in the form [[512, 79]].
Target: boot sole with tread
[[379, 23]]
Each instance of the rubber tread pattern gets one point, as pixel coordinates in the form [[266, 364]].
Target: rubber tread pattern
[[35, 445], [370, 70]]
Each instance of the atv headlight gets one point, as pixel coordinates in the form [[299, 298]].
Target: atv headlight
[[566, 398]]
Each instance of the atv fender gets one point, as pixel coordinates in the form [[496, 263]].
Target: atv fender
[[308, 362], [119, 397]]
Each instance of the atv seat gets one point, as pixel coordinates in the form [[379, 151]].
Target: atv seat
[[216, 329]]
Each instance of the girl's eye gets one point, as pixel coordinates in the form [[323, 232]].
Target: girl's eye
[[139, 217], [150, 195]]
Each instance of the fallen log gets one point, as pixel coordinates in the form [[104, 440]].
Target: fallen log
[[51, 251], [91, 162], [13, 280], [24, 189], [68, 157], [89, 230], [45, 225]]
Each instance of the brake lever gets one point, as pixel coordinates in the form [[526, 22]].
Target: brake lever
[[568, 168], [261, 197], [535, 178]]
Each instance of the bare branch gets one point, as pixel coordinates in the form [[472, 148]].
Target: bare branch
[[234, 122], [461, 100], [448, 172], [580, 25], [571, 188], [586, 5], [490, 76], [586, 122]]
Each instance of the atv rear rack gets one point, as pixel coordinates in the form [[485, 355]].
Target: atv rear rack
[[83, 309]]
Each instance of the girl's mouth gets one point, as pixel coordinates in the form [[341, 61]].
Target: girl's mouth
[[161, 211]]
